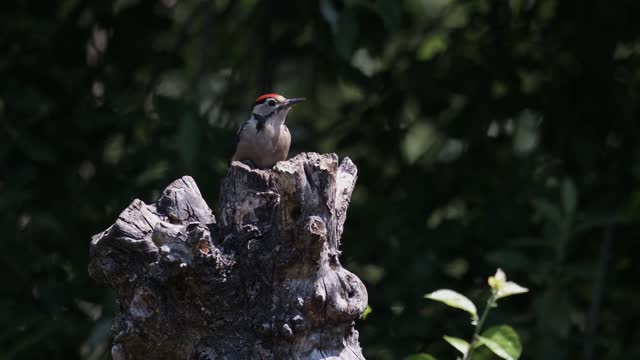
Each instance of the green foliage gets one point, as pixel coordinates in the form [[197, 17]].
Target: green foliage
[[455, 300], [487, 134], [500, 287], [367, 312], [502, 340], [461, 345]]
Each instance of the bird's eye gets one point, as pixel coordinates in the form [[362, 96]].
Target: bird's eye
[[271, 102]]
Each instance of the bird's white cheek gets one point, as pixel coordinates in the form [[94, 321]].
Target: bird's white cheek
[[281, 115]]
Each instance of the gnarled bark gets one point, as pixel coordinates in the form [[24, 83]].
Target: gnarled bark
[[265, 282]]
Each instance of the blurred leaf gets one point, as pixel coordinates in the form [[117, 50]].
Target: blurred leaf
[[431, 46], [347, 33], [459, 344], [457, 268], [457, 17], [549, 211], [503, 341], [153, 173], [114, 149], [391, 13], [364, 62], [624, 51], [525, 137], [427, 9], [529, 81], [455, 300], [97, 342], [419, 139], [516, 6], [569, 196], [329, 14], [547, 9], [372, 273], [420, 356]]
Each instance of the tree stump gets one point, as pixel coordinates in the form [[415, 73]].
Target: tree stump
[[263, 282]]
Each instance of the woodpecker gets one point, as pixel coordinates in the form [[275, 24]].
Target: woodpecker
[[264, 139]]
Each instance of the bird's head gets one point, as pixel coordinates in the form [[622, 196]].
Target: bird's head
[[274, 105]]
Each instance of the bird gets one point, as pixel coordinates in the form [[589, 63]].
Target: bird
[[264, 139]]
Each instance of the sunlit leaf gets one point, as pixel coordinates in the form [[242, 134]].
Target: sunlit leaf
[[503, 341], [510, 288], [366, 312], [459, 344], [503, 288], [455, 300]]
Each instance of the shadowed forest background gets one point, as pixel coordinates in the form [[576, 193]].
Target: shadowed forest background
[[487, 134]]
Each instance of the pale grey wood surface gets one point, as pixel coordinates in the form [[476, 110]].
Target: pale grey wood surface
[[262, 282]]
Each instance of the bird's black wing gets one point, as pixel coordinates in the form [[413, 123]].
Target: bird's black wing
[[244, 124], [260, 121]]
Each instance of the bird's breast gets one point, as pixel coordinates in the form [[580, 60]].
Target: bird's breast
[[263, 146], [272, 138]]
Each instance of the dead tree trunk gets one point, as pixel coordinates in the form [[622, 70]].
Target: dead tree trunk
[[264, 282]]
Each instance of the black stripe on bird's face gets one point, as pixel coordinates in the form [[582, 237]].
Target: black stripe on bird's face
[[261, 120]]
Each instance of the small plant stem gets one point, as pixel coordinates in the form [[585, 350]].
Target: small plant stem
[[490, 303]]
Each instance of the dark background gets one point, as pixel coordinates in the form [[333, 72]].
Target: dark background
[[487, 134]]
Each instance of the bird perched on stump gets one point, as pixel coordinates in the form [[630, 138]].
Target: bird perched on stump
[[264, 139]]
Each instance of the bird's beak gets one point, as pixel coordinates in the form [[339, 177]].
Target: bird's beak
[[290, 102]]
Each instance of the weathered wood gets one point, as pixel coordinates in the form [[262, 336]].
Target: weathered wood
[[263, 283]]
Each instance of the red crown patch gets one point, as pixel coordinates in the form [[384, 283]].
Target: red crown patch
[[262, 97]]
